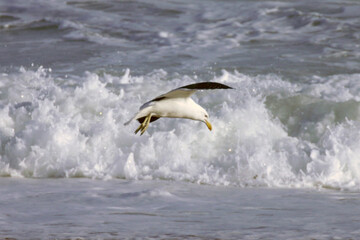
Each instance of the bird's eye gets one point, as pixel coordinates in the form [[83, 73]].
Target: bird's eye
[[206, 115]]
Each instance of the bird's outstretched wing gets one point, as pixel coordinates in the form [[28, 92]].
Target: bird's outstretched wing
[[187, 91], [205, 86], [181, 92]]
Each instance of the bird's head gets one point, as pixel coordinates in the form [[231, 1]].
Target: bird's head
[[206, 120], [198, 113]]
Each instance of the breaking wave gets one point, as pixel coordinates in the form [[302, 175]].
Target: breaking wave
[[267, 132]]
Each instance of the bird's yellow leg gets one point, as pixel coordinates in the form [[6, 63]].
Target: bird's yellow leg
[[143, 125], [147, 120], [138, 129]]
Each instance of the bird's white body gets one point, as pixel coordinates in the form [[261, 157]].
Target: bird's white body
[[174, 108], [175, 104]]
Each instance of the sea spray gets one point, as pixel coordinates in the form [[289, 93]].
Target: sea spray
[[52, 129]]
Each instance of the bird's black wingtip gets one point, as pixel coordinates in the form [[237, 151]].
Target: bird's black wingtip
[[207, 85]]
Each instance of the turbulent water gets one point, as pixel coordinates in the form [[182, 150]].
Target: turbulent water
[[72, 72]]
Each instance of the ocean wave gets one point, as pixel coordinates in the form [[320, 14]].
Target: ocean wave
[[267, 132]]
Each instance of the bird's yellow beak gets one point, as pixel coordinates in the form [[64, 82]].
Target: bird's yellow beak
[[208, 124]]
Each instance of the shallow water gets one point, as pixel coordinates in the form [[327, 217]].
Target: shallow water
[[118, 209], [72, 72]]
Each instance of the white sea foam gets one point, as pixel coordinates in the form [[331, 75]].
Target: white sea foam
[[51, 129], [339, 88]]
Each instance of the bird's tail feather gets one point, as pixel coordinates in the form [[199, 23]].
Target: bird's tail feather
[[128, 122], [142, 113], [136, 116]]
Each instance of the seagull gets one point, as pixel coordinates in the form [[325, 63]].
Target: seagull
[[175, 104]]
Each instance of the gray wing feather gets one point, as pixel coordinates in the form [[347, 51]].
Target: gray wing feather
[[187, 91]]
